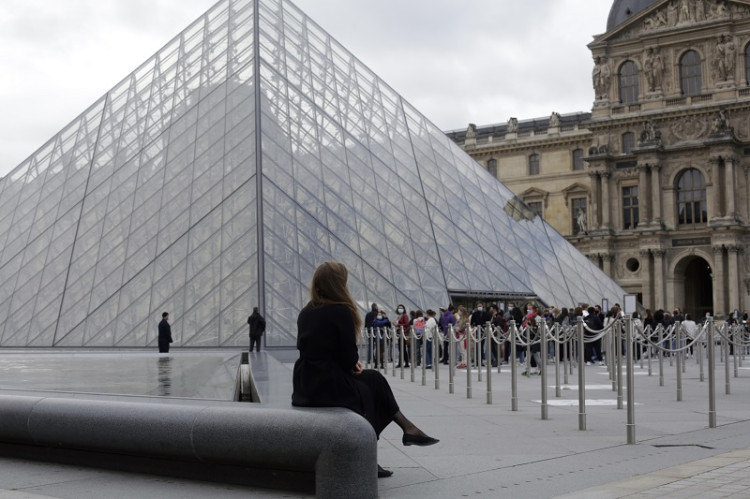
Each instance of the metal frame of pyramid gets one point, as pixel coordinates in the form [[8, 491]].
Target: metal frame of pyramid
[[187, 190]]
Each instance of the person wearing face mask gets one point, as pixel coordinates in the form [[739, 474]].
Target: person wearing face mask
[[402, 326], [380, 324], [480, 318]]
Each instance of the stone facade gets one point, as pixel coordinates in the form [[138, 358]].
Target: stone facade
[[661, 200]]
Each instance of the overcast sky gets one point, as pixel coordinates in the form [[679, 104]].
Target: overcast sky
[[457, 61]]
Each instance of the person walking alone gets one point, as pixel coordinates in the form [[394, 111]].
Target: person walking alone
[[257, 328], [165, 333]]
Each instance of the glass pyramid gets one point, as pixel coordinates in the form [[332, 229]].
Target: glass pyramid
[[222, 171]]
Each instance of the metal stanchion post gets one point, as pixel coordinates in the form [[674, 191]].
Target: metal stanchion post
[[581, 381], [423, 354], [736, 356], [451, 359], [412, 351], [700, 358], [661, 355], [488, 360], [725, 342], [542, 328], [566, 360], [618, 329], [631, 379], [649, 352], [401, 341], [478, 345], [469, 348], [436, 342], [711, 378], [391, 355], [513, 367], [678, 355], [558, 346]]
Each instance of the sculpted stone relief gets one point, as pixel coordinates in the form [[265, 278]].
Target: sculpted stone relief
[[683, 12], [689, 128], [601, 77], [653, 67]]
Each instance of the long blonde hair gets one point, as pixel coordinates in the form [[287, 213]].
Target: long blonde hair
[[329, 287]]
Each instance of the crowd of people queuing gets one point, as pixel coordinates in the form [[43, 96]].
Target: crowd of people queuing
[[426, 324]]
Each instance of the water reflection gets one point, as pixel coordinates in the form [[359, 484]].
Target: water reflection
[[165, 376]]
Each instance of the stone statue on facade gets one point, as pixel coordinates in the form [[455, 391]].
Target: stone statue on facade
[[601, 77], [471, 131], [653, 66], [581, 221], [512, 125], [720, 125], [554, 119], [651, 134], [725, 54]]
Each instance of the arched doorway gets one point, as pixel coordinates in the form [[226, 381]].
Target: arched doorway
[[694, 286]]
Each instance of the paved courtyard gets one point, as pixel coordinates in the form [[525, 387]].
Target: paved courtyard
[[485, 449]]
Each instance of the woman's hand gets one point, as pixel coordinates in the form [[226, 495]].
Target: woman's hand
[[357, 369]]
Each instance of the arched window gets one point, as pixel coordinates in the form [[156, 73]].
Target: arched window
[[628, 78], [577, 159], [534, 164], [628, 142], [690, 73], [492, 167], [691, 198], [747, 64]]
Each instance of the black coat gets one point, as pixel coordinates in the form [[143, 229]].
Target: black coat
[[165, 331], [327, 347], [257, 324]]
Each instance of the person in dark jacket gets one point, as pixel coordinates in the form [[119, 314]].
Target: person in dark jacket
[[328, 372], [165, 333], [257, 328]]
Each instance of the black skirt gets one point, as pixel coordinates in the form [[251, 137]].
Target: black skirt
[[377, 399]]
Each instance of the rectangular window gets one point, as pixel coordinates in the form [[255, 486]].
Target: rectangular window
[[579, 215], [534, 164], [536, 207], [630, 207], [628, 142], [492, 167], [578, 160]]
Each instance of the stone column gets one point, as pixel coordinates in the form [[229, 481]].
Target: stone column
[[643, 205], [647, 279], [608, 259], [715, 189], [606, 202], [720, 306], [733, 277], [730, 185], [594, 215], [656, 195], [659, 281]]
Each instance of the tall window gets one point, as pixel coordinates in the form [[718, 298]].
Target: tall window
[[690, 73], [630, 207], [747, 63], [577, 159], [628, 142], [628, 77], [534, 164], [691, 198], [579, 215], [492, 167], [536, 207]]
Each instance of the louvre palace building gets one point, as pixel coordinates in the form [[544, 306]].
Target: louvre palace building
[[652, 184]]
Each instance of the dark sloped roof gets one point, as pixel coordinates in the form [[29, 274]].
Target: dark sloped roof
[[537, 125], [622, 10]]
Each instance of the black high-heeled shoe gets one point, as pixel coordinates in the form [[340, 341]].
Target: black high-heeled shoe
[[420, 440], [384, 473]]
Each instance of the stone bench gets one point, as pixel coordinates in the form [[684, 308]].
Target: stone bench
[[329, 450]]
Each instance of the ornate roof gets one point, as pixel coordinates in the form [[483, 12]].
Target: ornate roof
[[622, 10]]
